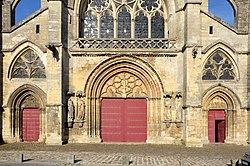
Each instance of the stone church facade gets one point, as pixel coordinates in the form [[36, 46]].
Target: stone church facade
[[155, 71]]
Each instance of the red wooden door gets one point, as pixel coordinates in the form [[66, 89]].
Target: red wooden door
[[111, 124], [124, 120], [215, 119], [221, 131], [30, 124]]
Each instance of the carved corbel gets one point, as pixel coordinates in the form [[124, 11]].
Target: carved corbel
[[179, 124], [167, 123], [195, 52], [168, 94]]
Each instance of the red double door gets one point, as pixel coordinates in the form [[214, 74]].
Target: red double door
[[216, 126], [30, 124], [124, 120]]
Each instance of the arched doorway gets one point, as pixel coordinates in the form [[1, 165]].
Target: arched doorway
[[30, 119], [219, 106], [27, 111], [124, 99], [124, 109]]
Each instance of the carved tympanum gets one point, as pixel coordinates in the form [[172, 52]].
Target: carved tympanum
[[30, 101], [124, 85], [218, 102]]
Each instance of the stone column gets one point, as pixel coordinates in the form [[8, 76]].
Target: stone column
[[192, 77], [54, 109]]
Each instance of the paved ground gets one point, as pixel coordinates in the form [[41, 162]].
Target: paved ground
[[120, 154]]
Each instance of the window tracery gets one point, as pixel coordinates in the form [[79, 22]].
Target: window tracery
[[29, 65], [123, 19], [218, 67]]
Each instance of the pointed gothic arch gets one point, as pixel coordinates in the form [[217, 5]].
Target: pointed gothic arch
[[26, 96], [123, 77], [220, 99], [219, 63], [27, 64]]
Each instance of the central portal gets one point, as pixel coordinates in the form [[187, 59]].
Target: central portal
[[124, 120]]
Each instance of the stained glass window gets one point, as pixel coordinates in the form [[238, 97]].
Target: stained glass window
[[123, 19], [218, 67], [141, 26], [29, 65], [124, 24]]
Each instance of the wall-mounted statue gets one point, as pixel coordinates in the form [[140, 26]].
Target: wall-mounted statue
[[168, 99], [81, 112], [71, 113], [178, 107], [172, 108]]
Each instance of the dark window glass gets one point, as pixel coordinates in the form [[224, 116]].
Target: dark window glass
[[124, 24], [107, 26], [141, 26], [218, 67], [157, 26], [90, 26], [29, 65]]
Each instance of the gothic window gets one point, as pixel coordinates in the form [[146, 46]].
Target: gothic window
[[218, 67], [107, 26], [141, 26], [90, 26], [123, 19], [24, 8], [157, 26], [124, 24], [29, 65]]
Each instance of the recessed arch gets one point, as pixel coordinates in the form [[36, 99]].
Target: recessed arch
[[220, 106], [124, 63], [228, 54], [28, 65], [25, 90], [106, 70], [25, 97], [227, 95], [22, 48]]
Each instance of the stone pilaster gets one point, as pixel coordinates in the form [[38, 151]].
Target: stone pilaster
[[54, 110], [192, 76]]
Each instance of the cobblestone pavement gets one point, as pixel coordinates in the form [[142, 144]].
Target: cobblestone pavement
[[120, 154]]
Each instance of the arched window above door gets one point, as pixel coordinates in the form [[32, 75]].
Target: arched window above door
[[219, 67], [28, 65], [123, 19]]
